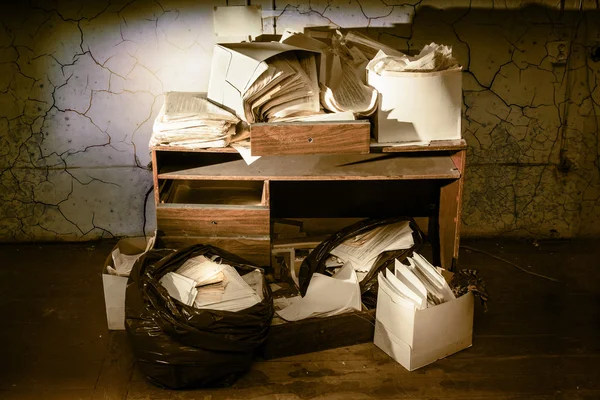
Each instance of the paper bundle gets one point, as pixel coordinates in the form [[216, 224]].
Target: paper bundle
[[262, 82], [416, 286], [342, 87], [206, 284], [362, 251], [433, 57], [326, 296], [289, 87], [188, 119]]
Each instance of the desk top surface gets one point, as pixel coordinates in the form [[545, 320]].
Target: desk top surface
[[318, 168]]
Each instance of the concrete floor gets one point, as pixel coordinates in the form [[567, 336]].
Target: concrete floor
[[539, 339]]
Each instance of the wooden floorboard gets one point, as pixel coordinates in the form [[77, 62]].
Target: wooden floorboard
[[538, 339]]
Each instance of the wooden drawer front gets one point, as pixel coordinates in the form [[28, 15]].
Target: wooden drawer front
[[212, 221], [255, 250], [310, 138]]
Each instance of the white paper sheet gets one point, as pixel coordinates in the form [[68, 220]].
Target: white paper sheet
[[180, 287], [433, 57], [123, 263], [437, 288], [242, 21], [419, 302], [326, 296], [362, 251], [244, 149]]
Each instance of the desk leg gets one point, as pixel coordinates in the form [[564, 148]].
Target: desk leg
[[450, 213], [155, 178]]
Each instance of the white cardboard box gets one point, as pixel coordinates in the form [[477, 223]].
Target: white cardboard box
[[114, 286], [417, 106], [417, 338]]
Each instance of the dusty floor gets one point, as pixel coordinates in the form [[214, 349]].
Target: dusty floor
[[539, 339]]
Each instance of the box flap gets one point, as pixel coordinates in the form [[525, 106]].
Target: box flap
[[395, 317], [392, 345], [114, 298]]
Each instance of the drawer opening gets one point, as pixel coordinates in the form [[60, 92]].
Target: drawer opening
[[244, 193]]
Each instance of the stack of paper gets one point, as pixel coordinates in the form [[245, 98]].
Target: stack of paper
[[433, 57], [206, 284], [369, 47], [326, 296], [261, 81], [417, 286], [180, 287], [189, 119], [289, 87], [346, 90], [362, 251], [438, 291]]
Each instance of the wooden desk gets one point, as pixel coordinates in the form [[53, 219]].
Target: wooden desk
[[211, 196]]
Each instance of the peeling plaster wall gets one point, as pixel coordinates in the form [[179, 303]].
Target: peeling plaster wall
[[81, 82]]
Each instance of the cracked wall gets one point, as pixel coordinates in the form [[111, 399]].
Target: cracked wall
[[81, 81]]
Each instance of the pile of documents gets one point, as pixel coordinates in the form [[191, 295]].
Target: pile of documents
[[349, 263], [416, 286], [362, 251], [126, 253], [326, 296], [433, 57], [188, 119], [206, 284], [263, 82]]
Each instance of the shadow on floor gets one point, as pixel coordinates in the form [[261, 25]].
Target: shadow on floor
[[539, 339]]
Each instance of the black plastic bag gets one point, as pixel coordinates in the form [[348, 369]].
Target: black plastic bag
[[315, 262], [179, 346]]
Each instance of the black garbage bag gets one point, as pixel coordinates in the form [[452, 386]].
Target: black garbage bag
[[315, 262], [178, 346]]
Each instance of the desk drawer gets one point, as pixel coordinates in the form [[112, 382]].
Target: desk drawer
[[215, 192], [316, 137], [205, 220], [256, 250]]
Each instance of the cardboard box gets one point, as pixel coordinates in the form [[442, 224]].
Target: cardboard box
[[418, 106], [114, 286], [235, 66], [417, 338]]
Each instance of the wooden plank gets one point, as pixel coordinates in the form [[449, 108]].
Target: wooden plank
[[310, 138], [212, 221], [188, 150], [266, 195], [113, 380], [318, 167], [316, 334], [155, 178], [450, 214], [254, 249], [435, 145]]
